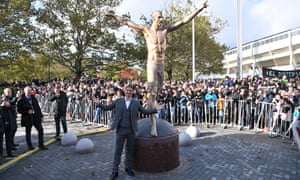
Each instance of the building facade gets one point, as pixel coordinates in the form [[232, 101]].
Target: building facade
[[279, 51]]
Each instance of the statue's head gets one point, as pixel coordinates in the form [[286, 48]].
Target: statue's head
[[156, 17], [156, 14]]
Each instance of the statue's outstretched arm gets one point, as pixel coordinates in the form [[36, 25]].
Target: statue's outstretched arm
[[125, 21], [178, 24]]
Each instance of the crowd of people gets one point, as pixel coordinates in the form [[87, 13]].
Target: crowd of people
[[197, 98]]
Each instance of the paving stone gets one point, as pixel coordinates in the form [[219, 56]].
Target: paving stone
[[217, 153]]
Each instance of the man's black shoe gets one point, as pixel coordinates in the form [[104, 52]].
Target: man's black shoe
[[129, 172], [114, 175], [57, 138], [11, 154], [30, 148], [43, 147], [14, 148]]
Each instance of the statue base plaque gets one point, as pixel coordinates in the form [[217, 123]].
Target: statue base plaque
[[156, 154]]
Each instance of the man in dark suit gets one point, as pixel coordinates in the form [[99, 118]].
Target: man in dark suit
[[11, 105], [60, 100], [31, 115], [125, 122], [5, 128]]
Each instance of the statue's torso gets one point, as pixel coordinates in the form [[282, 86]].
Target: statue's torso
[[156, 44]]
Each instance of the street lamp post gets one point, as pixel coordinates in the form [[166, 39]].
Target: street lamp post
[[49, 69], [239, 41], [193, 48], [49, 57]]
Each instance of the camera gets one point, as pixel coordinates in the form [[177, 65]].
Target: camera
[[285, 108]]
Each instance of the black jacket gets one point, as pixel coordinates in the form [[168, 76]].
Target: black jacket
[[23, 106], [11, 111], [4, 119], [60, 103]]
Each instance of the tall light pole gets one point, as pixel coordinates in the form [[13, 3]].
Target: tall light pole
[[49, 69], [47, 53], [49, 59], [239, 42], [193, 47]]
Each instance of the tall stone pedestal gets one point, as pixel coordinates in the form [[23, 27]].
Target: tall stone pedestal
[[156, 154]]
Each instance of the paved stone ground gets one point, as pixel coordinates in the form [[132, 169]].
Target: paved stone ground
[[217, 154]]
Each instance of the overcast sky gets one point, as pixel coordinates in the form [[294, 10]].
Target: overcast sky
[[260, 18]]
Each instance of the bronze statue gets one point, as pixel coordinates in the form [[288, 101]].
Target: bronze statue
[[156, 39]]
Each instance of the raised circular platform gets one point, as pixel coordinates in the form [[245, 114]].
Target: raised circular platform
[[156, 154]]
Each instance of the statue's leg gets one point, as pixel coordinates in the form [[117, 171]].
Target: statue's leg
[[151, 105], [155, 76], [159, 78], [153, 127]]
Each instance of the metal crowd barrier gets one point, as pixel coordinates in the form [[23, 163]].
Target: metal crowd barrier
[[85, 111], [227, 113], [80, 110]]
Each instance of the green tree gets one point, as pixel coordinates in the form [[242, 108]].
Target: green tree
[[77, 36], [208, 52], [15, 34], [127, 54]]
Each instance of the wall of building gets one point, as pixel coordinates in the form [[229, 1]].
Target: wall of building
[[278, 51]]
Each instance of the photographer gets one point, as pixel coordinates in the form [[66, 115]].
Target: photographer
[[275, 121], [60, 104], [211, 102], [199, 105], [286, 113], [161, 99], [11, 105], [184, 98], [250, 108], [7, 125], [175, 105]]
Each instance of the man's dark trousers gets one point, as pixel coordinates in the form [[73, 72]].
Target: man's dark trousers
[[57, 119], [38, 126], [124, 135]]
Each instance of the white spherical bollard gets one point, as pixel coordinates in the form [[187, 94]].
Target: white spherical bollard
[[84, 145], [193, 131], [69, 138], [184, 139]]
